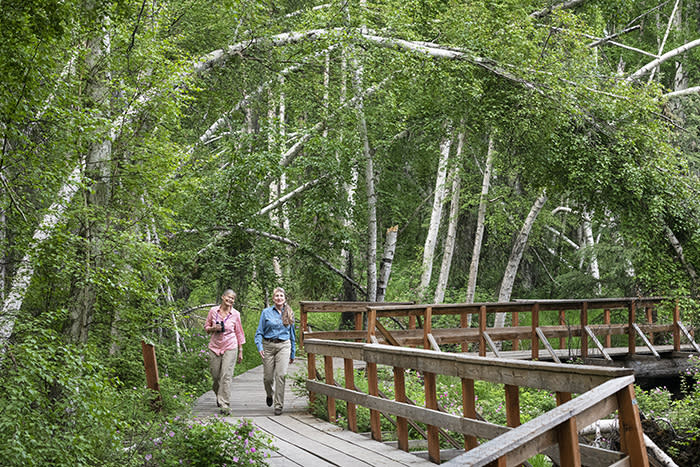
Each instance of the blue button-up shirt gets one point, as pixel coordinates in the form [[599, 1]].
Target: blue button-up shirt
[[271, 327]]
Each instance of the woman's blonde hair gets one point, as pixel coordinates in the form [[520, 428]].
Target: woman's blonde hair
[[287, 312]]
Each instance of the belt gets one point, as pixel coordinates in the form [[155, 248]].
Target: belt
[[276, 341]]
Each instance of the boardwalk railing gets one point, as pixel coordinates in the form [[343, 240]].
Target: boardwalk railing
[[636, 318], [602, 392]]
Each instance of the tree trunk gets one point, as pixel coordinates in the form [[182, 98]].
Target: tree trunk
[[480, 224], [435, 216], [22, 277], [371, 193], [516, 255], [97, 170], [451, 238], [387, 259], [590, 243]]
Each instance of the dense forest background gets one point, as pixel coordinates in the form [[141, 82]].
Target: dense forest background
[[156, 153]]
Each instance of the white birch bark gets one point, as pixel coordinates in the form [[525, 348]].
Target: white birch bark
[[22, 278], [678, 248], [386, 263], [435, 215], [516, 255], [662, 59], [590, 243], [673, 19], [451, 237], [480, 223]]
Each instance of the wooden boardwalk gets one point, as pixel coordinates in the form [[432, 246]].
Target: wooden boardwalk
[[301, 439]]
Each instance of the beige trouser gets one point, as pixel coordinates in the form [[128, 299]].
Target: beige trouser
[[221, 367], [275, 366]]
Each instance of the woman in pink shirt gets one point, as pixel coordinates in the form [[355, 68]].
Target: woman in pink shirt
[[225, 347]]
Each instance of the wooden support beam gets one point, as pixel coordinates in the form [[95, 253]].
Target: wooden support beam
[[562, 322], [491, 345], [688, 336], [427, 326], [606, 320], [584, 323], [469, 407], [631, 336], [433, 343], [646, 341], [676, 327], [547, 345], [431, 403], [330, 402], [385, 332], [482, 331], [151, 368], [516, 323], [512, 405], [350, 384], [534, 341], [597, 342], [373, 389], [631, 433], [400, 396], [371, 324], [311, 372], [569, 452]]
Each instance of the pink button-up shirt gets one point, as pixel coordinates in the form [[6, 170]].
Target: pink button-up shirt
[[232, 336]]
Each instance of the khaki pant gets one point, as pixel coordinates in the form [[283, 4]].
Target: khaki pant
[[275, 366], [221, 367]]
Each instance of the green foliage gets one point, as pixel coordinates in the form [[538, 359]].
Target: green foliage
[[204, 443]]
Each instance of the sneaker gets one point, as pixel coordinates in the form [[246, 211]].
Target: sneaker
[[225, 411], [278, 411], [268, 401]]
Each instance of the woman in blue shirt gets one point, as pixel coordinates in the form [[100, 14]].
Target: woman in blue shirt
[[276, 343]]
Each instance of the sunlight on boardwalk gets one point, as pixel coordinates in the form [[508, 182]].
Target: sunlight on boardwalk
[[301, 439]]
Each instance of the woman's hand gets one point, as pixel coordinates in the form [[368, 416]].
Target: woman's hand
[[262, 354]]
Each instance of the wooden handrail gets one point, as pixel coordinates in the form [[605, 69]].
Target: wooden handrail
[[602, 392]]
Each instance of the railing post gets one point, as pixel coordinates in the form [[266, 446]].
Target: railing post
[[569, 450], [631, 433], [516, 323], [431, 403], [330, 401], [512, 405], [358, 320], [304, 323], [371, 325], [373, 389], [400, 396], [469, 407], [584, 334], [151, 367], [311, 370], [482, 330], [606, 320], [631, 336], [427, 325], [562, 322], [350, 384], [650, 320], [676, 327], [534, 339]]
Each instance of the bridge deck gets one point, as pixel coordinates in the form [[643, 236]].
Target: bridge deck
[[300, 438]]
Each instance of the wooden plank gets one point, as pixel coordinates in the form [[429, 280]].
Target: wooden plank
[[385, 332], [330, 402], [364, 442], [350, 384], [631, 433], [361, 456], [590, 456], [429, 381], [288, 445], [373, 388]]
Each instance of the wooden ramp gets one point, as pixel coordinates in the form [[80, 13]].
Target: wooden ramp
[[301, 439]]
